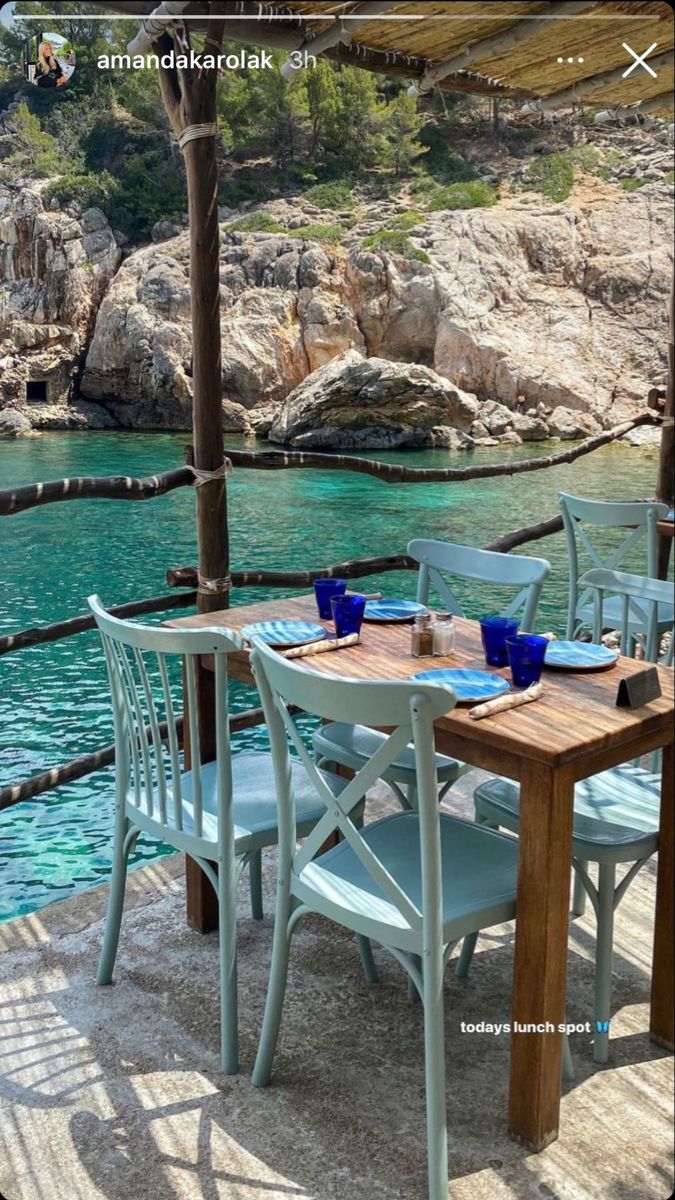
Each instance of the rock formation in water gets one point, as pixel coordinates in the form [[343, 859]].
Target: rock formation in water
[[354, 402]]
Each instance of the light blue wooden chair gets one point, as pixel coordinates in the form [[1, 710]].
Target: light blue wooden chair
[[351, 745], [415, 882], [223, 811], [588, 526], [616, 813]]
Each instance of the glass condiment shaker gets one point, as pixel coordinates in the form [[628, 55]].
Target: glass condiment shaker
[[422, 641], [444, 635]]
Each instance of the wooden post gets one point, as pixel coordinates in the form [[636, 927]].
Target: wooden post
[[665, 485], [190, 100]]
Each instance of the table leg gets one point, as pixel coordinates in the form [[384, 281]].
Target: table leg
[[542, 916], [661, 1023], [201, 900]]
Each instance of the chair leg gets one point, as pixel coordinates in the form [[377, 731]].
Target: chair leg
[[434, 1064], [367, 960], [122, 848], [227, 953], [466, 955], [568, 1072], [413, 994], [603, 960], [255, 884], [579, 894], [276, 990]]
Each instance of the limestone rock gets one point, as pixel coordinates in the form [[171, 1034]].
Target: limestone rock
[[13, 423], [54, 270], [356, 403], [163, 230], [568, 425]]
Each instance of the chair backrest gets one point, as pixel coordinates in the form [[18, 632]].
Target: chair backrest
[[641, 596], [483, 566], [582, 521], [148, 767], [408, 708]]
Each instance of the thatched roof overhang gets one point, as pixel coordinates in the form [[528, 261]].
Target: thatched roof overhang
[[517, 49]]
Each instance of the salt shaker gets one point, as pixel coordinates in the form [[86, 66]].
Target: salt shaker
[[444, 635], [422, 640]]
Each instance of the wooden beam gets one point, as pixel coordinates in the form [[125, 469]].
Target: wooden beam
[[189, 97], [341, 32], [495, 45], [583, 88]]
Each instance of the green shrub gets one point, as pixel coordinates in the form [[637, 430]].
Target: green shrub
[[407, 220], [37, 153], [669, 177], [98, 190], [552, 175], [395, 241], [318, 233], [331, 195], [256, 222], [633, 185], [471, 194]]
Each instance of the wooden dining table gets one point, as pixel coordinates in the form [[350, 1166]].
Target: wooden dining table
[[574, 731]]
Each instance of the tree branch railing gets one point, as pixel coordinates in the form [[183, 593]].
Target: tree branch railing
[[124, 487]]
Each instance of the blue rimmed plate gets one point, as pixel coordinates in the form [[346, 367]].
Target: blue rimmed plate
[[285, 633], [388, 611], [467, 685], [579, 656]]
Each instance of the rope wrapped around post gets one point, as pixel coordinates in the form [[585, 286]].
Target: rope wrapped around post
[[192, 132]]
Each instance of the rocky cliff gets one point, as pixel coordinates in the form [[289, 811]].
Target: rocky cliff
[[552, 317], [55, 268]]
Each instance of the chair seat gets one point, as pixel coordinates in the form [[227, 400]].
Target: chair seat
[[616, 813], [353, 745], [255, 800], [479, 879]]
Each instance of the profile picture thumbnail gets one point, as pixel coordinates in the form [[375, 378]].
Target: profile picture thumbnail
[[49, 60]]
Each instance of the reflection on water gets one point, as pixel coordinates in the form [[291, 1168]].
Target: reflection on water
[[53, 699]]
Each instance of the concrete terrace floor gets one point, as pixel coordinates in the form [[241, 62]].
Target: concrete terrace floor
[[116, 1094]]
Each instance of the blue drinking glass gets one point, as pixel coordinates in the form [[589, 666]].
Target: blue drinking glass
[[324, 590], [494, 631], [526, 658], [348, 614]]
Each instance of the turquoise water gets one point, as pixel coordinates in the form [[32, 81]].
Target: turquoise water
[[53, 699]]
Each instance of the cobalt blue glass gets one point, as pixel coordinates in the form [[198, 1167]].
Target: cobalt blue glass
[[348, 614], [494, 631], [324, 590], [526, 658]]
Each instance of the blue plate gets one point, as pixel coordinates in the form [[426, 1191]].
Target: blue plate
[[467, 685], [393, 610], [579, 656], [285, 633]]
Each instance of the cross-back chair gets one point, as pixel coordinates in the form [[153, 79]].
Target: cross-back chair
[[616, 813], [415, 882], [588, 525], [350, 744], [222, 811]]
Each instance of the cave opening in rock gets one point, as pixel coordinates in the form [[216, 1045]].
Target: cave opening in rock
[[36, 391]]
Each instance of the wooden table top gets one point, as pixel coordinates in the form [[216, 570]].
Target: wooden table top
[[576, 718]]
